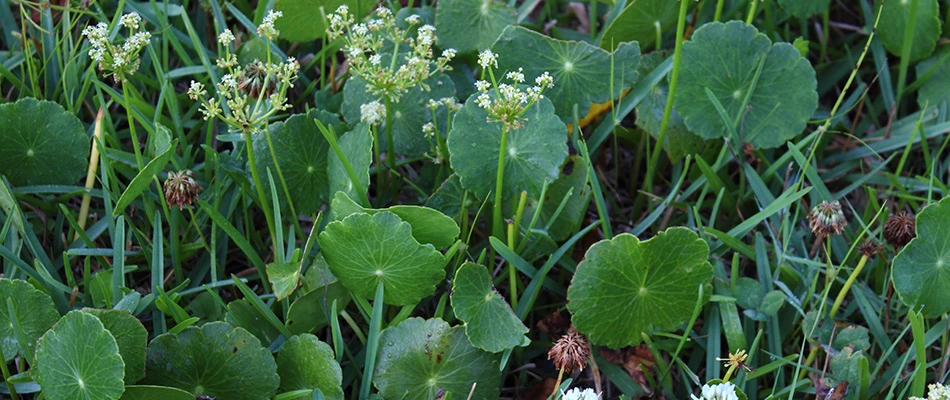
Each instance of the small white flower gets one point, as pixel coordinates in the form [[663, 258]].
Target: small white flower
[[373, 113], [412, 19], [354, 51], [266, 28], [131, 20], [196, 90], [384, 12], [375, 59], [517, 76], [360, 29], [118, 60], [482, 85], [428, 129], [545, 80], [483, 101], [487, 58], [448, 53], [426, 34], [226, 37], [578, 394], [720, 391], [228, 82]]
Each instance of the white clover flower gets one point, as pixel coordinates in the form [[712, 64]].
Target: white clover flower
[[131, 20], [375, 59], [487, 58], [482, 85], [226, 37], [412, 19], [578, 394], [373, 112], [517, 76], [720, 391], [545, 80]]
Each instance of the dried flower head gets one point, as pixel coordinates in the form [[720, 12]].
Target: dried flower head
[[870, 248], [181, 188], [571, 351], [720, 391], [900, 229], [736, 359], [827, 219]]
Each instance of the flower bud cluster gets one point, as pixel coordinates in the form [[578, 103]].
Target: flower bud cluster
[[119, 60], [508, 101], [377, 51]]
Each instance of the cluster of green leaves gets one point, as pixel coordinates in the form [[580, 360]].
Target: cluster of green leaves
[[659, 193]]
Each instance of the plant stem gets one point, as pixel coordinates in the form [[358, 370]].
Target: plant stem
[[259, 186], [90, 174], [135, 137], [752, 8], [497, 227], [847, 285], [6, 375], [390, 146], [379, 165]]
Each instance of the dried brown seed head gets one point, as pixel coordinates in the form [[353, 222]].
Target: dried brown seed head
[[827, 219], [571, 351], [870, 248], [181, 188], [900, 229]]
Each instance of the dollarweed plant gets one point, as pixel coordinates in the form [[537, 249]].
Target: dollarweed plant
[[474, 199]]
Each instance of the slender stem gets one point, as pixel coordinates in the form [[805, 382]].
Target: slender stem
[[379, 164], [718, 14], [6, 375], [497, 226], [259, 186], [135, 137], [906, 48], [512, 274], [90, 174], [752, 5], [847, 285], [557, 384], [390, 146], [668, 110], [729, 372]]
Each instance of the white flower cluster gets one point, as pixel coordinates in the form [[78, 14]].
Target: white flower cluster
[[720, 391], [508, 101], [578, 394], [388, 74], [225, 38], [937, 392], [266, 28], [119, 60], [373, 113]]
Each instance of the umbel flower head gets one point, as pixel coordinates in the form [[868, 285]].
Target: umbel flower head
[[570, 352], [510, 100], [119, 60], [719, 391], [579, 394], [937, 392], [181, 189], [827, 219], [900, 229]]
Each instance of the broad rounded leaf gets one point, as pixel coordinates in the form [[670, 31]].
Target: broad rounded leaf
[[283, 277], [624, 286], [79, 359], [364, 249], [450, 198], [921, 271], [307, 363], [679, 140], [302, 155], [767, 90], [804, 8], [471, 25], [215, 360], [149, 392], [937, 89], [582, 72], [309, 312], [428, 225], [489, 322], [43, 144], [305, 20], [417, 357], [895, 17], [641, 21], [243, 314], [534, 152], [35, 313], [357, 147], [130, 336], [409, 113]]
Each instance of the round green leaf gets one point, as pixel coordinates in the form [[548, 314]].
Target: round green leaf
[[283, 277], [79, 359], [679, 140], [243, 314], [624, 287], [534, 152], [450, 197], [767, 90], [583, 73], [428, 225], [130, 336], [307, 363], [417, 357], [937, 89], [409, 113], [921, 271], [804, 8], [489, 322], [302, 155], [571, 185], [641, 21], [215, 360], [471, 25], [43, 144], [305, 20], [364, 249], [34, 311], [309, 312], [896, 14]]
